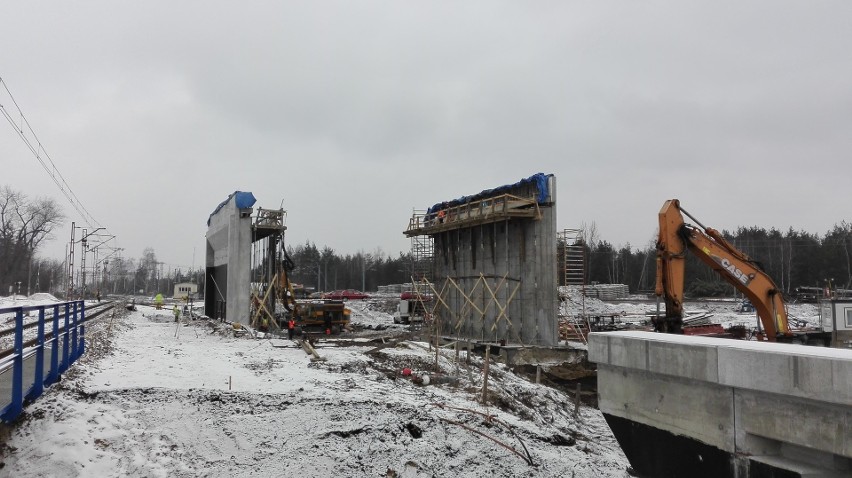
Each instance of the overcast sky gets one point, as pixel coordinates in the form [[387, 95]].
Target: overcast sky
[[352, 114]]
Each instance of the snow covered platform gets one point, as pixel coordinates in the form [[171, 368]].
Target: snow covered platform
[[704, 407]]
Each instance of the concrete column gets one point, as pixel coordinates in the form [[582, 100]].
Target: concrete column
[[521, 249]]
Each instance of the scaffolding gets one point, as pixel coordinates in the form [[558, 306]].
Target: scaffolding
[[572, 262], [266, 264], [488, 293], [424, 225], [472, 213], [488, 257], [422, 254], [572, 257]]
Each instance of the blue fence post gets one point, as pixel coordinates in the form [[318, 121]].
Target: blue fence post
[[17, 369], [76, 320], [63, 366], [53, 375], [82, 348], [66, 347], [38, 382]]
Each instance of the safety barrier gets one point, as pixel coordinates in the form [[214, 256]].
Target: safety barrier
[[40, 365]]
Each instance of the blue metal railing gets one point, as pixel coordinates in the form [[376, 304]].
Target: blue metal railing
[[65, 345]]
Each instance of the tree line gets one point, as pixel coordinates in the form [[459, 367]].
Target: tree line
[[792, 258], [25, 223], [325, 270]]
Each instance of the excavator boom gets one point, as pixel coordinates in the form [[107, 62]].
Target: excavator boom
[[746, 275]]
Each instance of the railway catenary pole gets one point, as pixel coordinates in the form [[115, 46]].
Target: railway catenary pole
[[70, 285], [95, 266], [83, 265], [83, 260], [29, 272]]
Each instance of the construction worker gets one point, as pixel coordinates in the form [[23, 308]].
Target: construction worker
[[158, 301], [291, 328], [177, 313], [441, 215]]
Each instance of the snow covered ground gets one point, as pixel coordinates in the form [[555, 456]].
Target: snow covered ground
[[636, 309], [152, 398]]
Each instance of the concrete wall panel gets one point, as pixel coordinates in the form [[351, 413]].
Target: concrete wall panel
[[805, 423], [682, 360], [841, 379], [598, 347], [813, 372], [629, 353], [812, 376], [756, 370], [696, 409], [516, 258], [229, 247]]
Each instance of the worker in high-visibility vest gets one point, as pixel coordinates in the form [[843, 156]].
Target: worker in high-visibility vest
[[291, 328], [177, 313]]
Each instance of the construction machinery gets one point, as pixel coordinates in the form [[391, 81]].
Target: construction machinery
[[411, 308], [276, 299], [311, 315], [676, 237], [322, 316]]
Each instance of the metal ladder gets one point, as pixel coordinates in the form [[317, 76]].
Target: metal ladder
[[572, 256]]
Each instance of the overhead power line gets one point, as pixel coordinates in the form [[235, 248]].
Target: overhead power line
[[37, 149]]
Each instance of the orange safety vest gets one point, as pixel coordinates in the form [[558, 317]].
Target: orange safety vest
[[291, 324]]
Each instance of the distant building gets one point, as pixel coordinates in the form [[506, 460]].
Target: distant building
[[185, 289], [836, 318]]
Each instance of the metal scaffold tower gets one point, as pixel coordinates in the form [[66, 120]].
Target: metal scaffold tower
[[267, 261], [572, 263], [572, 257], [422, 254]]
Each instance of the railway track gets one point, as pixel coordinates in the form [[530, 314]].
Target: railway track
[[91, 313]]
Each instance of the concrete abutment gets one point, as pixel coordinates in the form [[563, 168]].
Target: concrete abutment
[[696, 406]]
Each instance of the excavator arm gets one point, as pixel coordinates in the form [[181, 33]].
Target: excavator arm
[[746, 275], [286, 294]]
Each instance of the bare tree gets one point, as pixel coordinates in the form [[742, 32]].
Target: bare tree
[[24, 225], [847, 232], [148, 268], [326, 257], [589, 236]]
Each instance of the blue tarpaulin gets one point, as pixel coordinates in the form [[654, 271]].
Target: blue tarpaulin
[[538, 179], [243, 200]]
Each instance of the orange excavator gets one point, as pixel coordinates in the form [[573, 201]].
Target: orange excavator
[[676, 238]]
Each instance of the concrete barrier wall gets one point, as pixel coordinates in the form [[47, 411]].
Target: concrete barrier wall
[[229, 250], [747, 398]]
